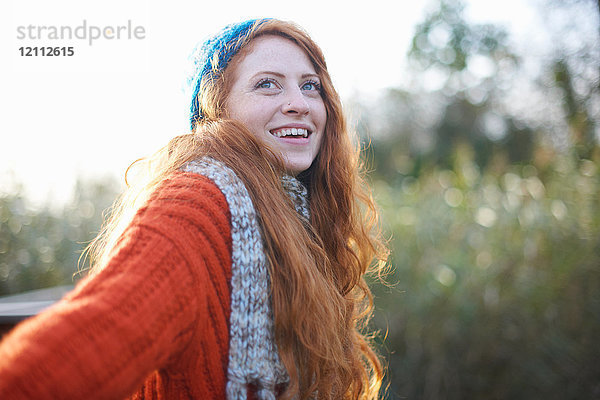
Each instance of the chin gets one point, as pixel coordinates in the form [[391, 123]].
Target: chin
[[296, 168]]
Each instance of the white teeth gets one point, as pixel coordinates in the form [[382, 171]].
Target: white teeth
[[291, 132]]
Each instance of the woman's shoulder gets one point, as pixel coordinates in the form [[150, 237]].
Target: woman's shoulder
[[184, 205], [184, 187], [227, 181], [206, 183], [187, 195], [219, 173]]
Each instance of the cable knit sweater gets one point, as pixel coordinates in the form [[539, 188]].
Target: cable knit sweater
[[153, 324]]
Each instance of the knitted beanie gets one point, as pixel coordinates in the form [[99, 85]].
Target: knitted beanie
[[212, 57]]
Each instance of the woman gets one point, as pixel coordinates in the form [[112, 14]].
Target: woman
[[241, 273]]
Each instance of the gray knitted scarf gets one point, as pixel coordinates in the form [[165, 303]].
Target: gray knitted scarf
[[253, 356]]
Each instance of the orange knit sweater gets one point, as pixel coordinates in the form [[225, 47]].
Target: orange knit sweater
[[153, 324]]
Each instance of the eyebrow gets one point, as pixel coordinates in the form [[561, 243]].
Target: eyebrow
[[280, 75]]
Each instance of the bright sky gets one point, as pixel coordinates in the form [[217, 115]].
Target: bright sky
[[117, 100]]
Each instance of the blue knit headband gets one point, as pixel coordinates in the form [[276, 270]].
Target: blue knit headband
[[213, 56]]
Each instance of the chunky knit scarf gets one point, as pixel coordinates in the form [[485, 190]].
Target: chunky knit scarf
[[253, 356]]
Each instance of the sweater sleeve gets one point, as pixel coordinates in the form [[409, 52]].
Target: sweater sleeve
[[139, 313]]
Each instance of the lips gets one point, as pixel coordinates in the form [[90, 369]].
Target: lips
[[291, 132]]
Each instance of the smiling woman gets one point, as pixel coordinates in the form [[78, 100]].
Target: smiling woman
[[276, 92], [236, 270]]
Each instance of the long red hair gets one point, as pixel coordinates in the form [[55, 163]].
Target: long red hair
[[321, 303]]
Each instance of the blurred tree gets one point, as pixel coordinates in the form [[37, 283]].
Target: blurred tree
[[27, 247], [497, 283], [573, 69], [445, 40], [476, 61], [40, 248], [461, 74], [488, 178], [469, 89]]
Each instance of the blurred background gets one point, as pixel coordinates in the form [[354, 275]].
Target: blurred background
[[484, 156]]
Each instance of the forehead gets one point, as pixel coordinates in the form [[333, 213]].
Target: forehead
[[273, 53]]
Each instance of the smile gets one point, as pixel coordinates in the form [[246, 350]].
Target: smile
[[290, 132]]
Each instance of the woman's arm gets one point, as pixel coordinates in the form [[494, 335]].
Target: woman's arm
[[138, 313]]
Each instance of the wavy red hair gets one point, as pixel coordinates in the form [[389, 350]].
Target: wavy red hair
[[321, 303]]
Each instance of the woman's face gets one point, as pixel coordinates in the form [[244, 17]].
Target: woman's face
[[276, 94]]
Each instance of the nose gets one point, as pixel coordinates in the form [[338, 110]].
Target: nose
[[295, 103]]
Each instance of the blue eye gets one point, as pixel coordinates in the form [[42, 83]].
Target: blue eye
[[266, 84], [311, 85]]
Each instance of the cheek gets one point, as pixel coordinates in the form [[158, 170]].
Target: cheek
[[235, 109], [248, 111], [322, 115]]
